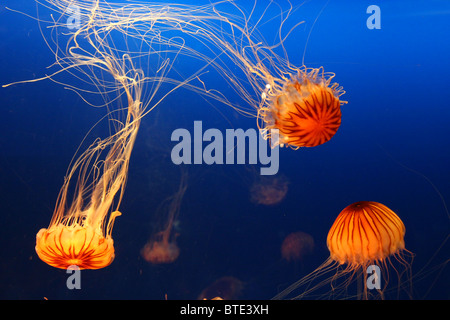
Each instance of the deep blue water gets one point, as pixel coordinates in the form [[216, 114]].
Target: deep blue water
[[393, 147]]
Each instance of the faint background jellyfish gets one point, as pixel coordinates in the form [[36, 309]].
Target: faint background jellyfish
[[225, 288], [296, 246], [269, 190], [162, 246], [365, 234]]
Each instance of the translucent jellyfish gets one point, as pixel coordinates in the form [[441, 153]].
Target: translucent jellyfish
[[269, 190], [363, 240], [225, 288], [162, 247], [296, 246], [159, 250]]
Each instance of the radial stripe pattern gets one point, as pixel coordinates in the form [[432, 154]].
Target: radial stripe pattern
[[365, 231]]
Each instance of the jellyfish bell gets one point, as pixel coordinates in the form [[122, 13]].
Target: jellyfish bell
[[64, 245], [296, 246], [306, 110], [160, 251], [224, 288], [269, 190], [365, 236], [379, 234]]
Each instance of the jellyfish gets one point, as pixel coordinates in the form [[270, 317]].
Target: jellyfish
[[162, 247], [296, 246], [306, 111], [269, 190], [365, 232], [301, 104], [80, 232], [364, 241], [295, 106], [159, 250], [224, 288]]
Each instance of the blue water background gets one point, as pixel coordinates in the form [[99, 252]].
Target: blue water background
[[393, 147]]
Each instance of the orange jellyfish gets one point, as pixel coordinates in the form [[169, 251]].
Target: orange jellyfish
[[363, 241], [80, 232], [301, 103], [269, 190], [162, 247], [296, 245], [306, 111], [365, 232]]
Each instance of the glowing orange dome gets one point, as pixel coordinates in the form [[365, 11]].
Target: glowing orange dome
[[365, 231], [307, 111], [62, 246]]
